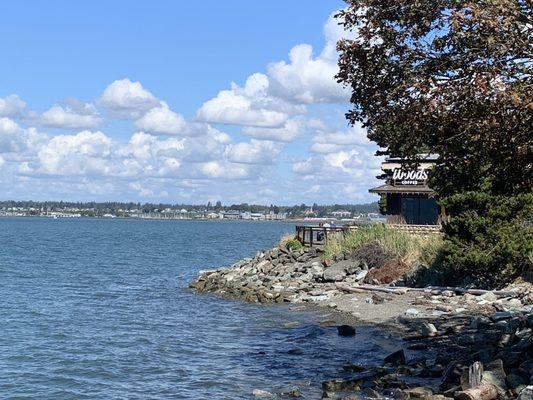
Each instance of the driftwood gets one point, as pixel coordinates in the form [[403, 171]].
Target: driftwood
[[366, 288], [431, 289], [483, 392], [475, 373]]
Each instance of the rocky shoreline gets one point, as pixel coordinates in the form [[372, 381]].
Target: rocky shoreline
[[476, 346]]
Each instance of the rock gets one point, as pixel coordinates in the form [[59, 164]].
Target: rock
[[501, 315], [338, 385], [295, 352], [292, 324], [336, 272], [427, 329], [494, 374], [513, 381], [514, 303], [376, 299], [526, 367], [418, 392], [489, 296], [361, 275], [291, 392], [396, 358], [261, 393], [346, 330], [443, 308], [412, 312], [526, 393], [353, 368], [371, 393]]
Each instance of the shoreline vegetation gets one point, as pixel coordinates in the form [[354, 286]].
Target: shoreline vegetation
[[458, 341]]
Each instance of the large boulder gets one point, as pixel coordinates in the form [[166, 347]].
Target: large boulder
[[339, 270]]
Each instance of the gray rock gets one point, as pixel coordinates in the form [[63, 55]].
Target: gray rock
[[514, 381], [495, 374], [427, 329], [336, 272], [396, 358], [489, 296], [262, 393], [412, 312], [501, 315], [361, 275], [526, 393]]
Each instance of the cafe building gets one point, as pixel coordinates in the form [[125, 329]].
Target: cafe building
[[405, 196]]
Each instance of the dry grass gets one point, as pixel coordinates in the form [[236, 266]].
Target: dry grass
[[379, 245]]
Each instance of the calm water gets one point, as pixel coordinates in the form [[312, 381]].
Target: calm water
[[99, 309]]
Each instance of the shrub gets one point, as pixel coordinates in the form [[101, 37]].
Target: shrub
[[389, 250], [488, 238], [289, 242]]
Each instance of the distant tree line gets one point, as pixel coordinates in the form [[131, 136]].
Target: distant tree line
[[99, 208]]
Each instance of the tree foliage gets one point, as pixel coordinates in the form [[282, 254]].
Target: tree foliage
[[491, 235], [454, 78], [450, 77]]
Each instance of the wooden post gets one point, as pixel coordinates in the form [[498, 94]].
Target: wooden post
[[311, 240]]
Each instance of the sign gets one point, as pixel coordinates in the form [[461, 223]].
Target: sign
[[409, 177]]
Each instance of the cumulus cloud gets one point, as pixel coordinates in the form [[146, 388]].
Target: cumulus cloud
[[128, 100], [11, 106], [74, 115], [253, 152], [308, 79], [21, 143], [86, 153], [161, 120], [248, 105]]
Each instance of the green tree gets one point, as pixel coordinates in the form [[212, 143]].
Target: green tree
[[453, 78], [447, 76]]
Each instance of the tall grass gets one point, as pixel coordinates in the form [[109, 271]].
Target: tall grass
[[403, 246]]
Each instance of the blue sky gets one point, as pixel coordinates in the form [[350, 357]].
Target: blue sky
[[177, 102]]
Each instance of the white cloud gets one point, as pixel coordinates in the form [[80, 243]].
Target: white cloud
[[220, 170], [126, 99], [330, 142], [161, 120], [248, 105], [11, 106], [308, 79], [253, 152], [20, 143], [86, 153], [287, 133], [71, 116]]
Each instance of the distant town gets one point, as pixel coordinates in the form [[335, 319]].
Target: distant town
[[209, 211]]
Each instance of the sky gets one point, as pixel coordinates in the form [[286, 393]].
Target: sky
[[178, 102]]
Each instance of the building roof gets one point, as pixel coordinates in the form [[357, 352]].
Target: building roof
[[408, 189]]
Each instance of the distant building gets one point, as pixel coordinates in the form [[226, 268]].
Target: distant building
[[231, 214], [341, 214]]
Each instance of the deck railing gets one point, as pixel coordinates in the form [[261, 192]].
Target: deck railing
[[313, 235]]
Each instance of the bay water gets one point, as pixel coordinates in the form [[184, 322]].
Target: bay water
[[100, 309]]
